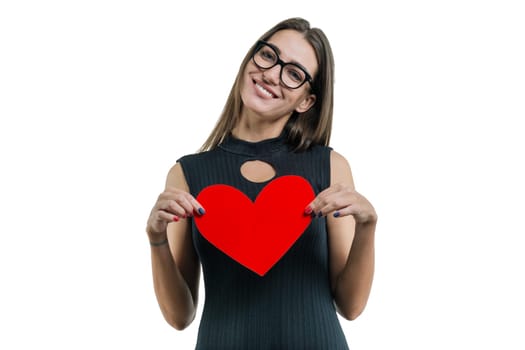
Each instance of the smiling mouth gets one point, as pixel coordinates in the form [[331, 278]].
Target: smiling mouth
[[264, 91]]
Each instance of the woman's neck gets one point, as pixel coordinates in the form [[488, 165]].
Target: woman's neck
[[254, 130]]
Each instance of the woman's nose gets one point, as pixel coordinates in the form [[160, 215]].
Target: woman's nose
[[273, 75]]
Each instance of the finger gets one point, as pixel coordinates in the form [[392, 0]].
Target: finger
[[176, 202], [191, 205], [319, 201], [180, 207], [327, 209], [167, 217], [197, 208], [185, 200], [314, 208], [325, 197], [170, 206], [329, 203], [346, 211], [361, 212]]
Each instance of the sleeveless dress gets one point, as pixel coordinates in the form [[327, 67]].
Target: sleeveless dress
[[291, 306]]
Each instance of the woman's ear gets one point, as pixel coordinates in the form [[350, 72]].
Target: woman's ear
[[306, 104]]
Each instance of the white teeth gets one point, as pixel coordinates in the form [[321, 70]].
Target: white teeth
[[263, 90]]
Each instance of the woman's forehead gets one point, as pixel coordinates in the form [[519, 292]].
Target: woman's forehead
[[293, 47]]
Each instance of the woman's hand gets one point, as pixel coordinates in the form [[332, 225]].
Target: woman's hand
[[172, 205], [342, 200]]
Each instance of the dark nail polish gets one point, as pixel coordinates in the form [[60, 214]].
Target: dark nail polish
[[320, 214], [201, 211], [337, 214]]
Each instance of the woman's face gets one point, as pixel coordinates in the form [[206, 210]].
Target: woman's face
[[262, 91]]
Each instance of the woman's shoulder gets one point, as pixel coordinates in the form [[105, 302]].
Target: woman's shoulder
[[197, 156], [200, 162], [337, 158], [340, 169]]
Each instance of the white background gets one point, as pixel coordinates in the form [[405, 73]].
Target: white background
[[99, 98]]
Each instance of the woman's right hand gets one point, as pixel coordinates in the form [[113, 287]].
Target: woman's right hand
[[172, 205]]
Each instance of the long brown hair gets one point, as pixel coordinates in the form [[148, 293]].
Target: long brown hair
[[303, 130]]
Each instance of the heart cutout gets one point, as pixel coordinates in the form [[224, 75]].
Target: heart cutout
[[256, 234]]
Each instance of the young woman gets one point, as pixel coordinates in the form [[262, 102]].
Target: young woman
[[276, 124]]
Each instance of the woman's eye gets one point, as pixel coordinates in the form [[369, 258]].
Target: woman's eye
[[267, 55], [295, 74]]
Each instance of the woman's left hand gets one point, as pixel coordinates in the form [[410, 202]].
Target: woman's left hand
[[342, 200]]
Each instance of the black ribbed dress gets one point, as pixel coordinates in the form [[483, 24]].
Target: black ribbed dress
[[291, 306]]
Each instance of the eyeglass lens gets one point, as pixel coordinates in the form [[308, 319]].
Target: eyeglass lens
[[291, 75]]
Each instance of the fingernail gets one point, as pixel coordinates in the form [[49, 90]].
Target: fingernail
[[337, 214], [320, 214], [308, 211], [175, 218], [201, 211]]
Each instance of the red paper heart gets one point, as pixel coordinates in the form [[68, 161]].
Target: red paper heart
[[256, 235]]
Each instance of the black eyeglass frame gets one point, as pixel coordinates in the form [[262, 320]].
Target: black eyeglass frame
[[260, 44]]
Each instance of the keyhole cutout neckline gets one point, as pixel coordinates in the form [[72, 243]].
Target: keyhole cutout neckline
[[257, 171]]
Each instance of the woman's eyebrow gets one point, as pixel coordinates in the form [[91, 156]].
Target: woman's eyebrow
[[292, 61], [275, 48]]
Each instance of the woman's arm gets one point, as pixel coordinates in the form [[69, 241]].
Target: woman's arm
[[175, 266], [351, 221]]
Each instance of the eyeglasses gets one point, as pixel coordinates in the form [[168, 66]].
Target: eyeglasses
[[292, 75]]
